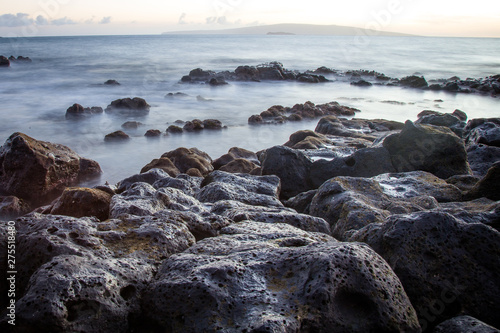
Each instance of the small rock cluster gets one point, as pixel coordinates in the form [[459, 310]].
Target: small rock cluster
[[353, 227], [279, 114]]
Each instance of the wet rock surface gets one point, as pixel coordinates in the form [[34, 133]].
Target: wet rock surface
[[129, 106]]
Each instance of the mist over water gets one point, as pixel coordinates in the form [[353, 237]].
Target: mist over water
[[68, 70]]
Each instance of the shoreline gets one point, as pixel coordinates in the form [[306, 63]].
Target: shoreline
[[344, 198]]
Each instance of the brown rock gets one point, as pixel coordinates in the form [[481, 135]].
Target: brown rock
[[80, 202], [239, 165], [38, 171], [164, 164], [11, 207], [185, 159], [116, 136]]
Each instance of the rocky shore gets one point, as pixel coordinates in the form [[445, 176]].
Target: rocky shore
[[358, 226], [275, 71]]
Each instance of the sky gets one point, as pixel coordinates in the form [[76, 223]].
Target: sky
[[479, 18]]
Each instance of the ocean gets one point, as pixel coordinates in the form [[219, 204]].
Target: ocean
[[67, 70]]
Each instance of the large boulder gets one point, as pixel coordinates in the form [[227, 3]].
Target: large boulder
[[77, 294], [366, 162], [193, 158], [351, 203], [249, 189], [276, 278], [291, 166], [447, 267], [80, 202], [429, 148], [38, 171]]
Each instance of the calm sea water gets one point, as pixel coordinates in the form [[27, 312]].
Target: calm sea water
[[68, 70]]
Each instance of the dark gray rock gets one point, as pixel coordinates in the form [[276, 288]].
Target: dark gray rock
[[112, 83], [483, 131], [237, 211], [489, 185], [4, 61], [77, 111], [147, 238], [249, 189], [291, 166], [481, 158], [428, 148], [72, 293], [276, 278], [202, 225], [464, 324], [481, 210], [149, 177], [187, 184], [366, 162], [332, 125], [139, 199], [447, 267], [301, 202], [413, 81], [350, 203]]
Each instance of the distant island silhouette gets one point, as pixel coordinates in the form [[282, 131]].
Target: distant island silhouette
[[292, 29]]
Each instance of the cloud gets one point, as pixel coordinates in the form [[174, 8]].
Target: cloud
[[17, 20], [182, 19], [105, 20], [41, 20], [62, 21]]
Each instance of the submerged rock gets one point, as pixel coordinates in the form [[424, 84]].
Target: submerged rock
[[127, 106], [117, 136], [38, 171], [413, 81], [153, 133], [78, 111], [258, 277], [4, 61]]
